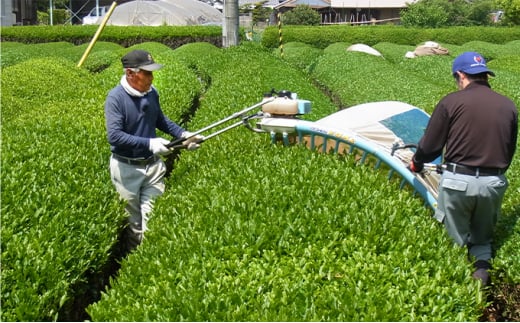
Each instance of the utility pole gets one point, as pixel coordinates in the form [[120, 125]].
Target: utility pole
[[231, 23], [51, 6]]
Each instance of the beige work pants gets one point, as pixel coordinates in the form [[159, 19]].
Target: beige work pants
[[138, 186]]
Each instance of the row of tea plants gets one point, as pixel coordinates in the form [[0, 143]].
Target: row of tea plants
[[247, 230]]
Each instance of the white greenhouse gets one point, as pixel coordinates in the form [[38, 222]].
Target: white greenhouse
[[164, 12]]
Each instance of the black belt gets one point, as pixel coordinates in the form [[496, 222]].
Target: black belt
[[137, 161], [474, 171]]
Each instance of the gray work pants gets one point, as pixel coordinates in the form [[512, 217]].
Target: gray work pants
[[138, 186], [469, 207]]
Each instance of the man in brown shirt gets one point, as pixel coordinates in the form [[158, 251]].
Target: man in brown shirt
[[477, 128]]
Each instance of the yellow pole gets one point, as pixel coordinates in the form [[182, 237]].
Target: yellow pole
[[98, 32], [280, 43]]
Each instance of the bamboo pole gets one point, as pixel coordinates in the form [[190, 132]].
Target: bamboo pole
[[280, 43], [98, 32]]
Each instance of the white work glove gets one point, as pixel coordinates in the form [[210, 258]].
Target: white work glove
[[158, 146], [191, 143]]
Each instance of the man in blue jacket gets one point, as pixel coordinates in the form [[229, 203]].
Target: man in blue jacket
[[133, 113]]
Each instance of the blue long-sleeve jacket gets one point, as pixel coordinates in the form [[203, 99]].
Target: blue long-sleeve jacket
[[131, 122]]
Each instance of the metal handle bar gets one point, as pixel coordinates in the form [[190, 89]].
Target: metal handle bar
[[206, 137], [439, 168], [244, 122], [396, 146], [209, 136], [176, 142]]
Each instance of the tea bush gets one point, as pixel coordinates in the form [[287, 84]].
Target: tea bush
[[60, 217], [60, 214], [323, 36], [247, 230], [252, 235], [126, 36]]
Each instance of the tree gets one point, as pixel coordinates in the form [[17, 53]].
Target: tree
[[481, 12], [442, 13], [428, 14], [261, 13], [302, 15], [43, 5], [511, 10]]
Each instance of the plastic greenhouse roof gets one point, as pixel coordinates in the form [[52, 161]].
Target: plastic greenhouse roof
[[164, 12]]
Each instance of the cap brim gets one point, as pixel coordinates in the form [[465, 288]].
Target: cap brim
[[151, 67], [478, 70]]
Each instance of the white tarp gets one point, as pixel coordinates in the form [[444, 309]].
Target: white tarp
[[364, 49], [164, 12], [367, 120]]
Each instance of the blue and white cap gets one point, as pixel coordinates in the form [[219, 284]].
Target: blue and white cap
[[470, 63]]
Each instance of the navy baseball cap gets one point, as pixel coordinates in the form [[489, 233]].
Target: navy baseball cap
[[140, 59], [470, 63]]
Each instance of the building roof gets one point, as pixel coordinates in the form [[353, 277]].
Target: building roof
[[371, 3], [316, 4], [269, 3]]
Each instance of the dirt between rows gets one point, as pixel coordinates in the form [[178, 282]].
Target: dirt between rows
[[505, 304]]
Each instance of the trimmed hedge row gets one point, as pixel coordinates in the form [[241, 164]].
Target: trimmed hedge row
[[172, 36], [61, 217], [320, 37], [357, 78], [103, 53], [267, 239], [248, 231], [324, 36]]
